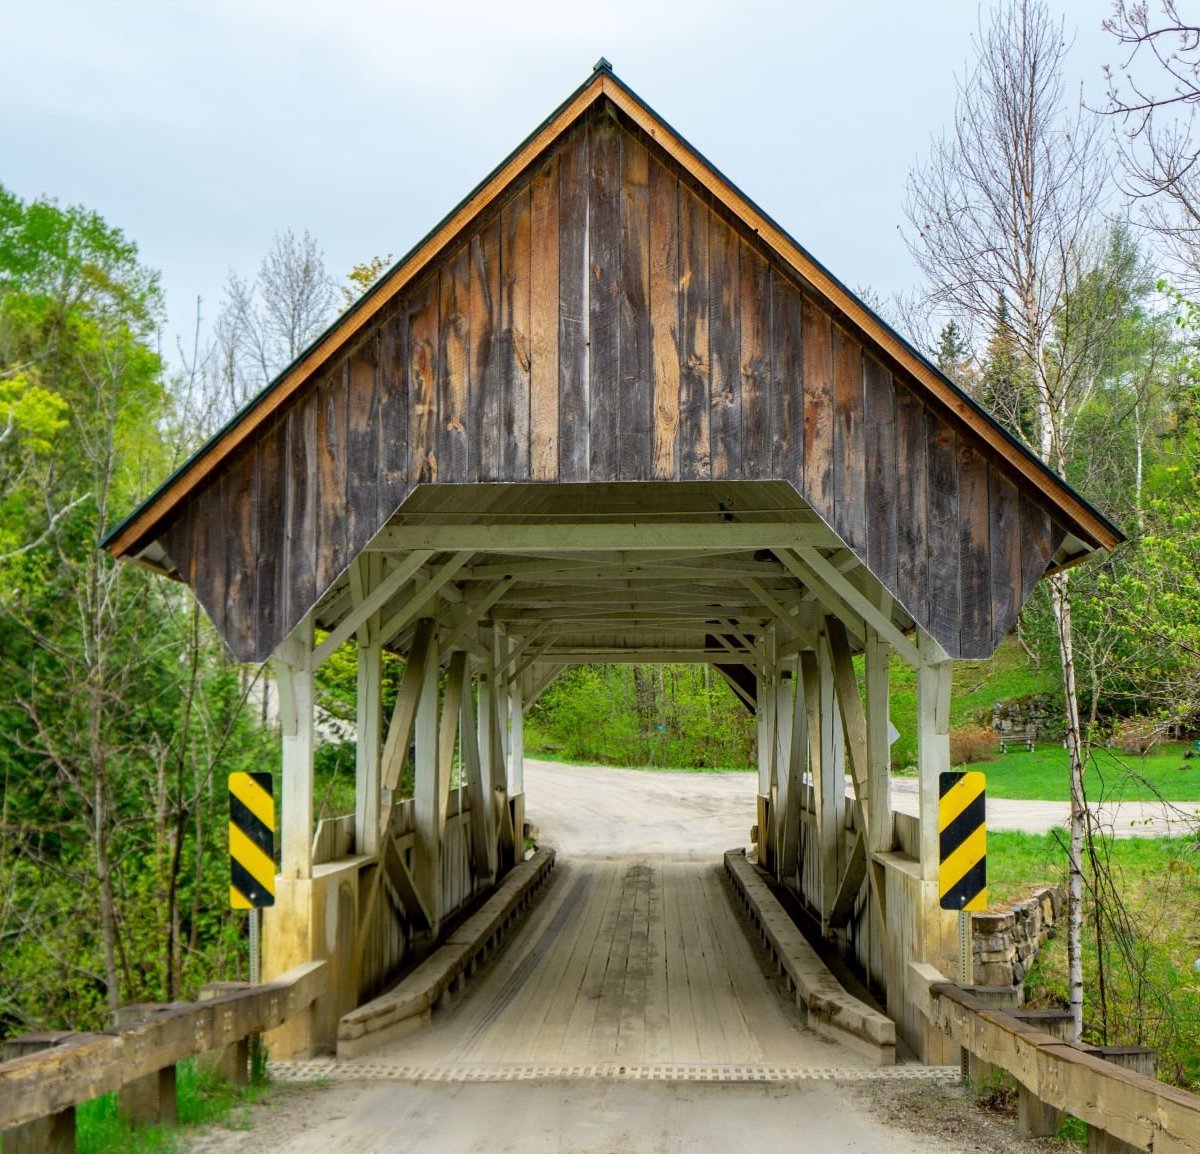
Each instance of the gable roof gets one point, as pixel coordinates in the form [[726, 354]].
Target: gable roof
[[607, 307], [141, 525]]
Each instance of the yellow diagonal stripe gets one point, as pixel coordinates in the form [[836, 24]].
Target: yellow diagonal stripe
[[237, 900], [955, 867], [256, 799], [960, 795], [256, 863]]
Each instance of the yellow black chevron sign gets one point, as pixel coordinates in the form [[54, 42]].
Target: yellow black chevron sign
[[251, 841], [962, 833]]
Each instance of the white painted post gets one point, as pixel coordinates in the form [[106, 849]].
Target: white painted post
[[792, 777], [879, 797], [831, 784], [369, 724], [783, 706], [933, 744], [294, 676], [484, 721], [516, 739], [427, 796]]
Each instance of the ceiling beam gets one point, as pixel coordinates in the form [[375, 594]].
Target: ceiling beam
[[569, 536]]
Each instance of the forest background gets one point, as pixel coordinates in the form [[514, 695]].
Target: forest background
[[121, 713]]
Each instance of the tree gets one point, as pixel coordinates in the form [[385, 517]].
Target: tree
[[954, 355], [263, 325], [1157, 107], [363, 276], [116, 703], [1006, 213]]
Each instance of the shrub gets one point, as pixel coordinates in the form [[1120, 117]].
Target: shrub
[[1137, 735], [972, 743]]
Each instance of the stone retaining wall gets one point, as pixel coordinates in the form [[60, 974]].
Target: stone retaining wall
[[1032, 714], [1005, 942]]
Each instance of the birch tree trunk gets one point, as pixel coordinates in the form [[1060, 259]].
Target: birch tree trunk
[[1060, 595]]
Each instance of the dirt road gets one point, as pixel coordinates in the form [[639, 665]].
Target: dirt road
[[599, 811]]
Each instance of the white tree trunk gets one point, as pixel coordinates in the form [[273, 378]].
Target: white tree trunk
[[1061, 598]]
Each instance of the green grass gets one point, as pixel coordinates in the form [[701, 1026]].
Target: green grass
[[202, 1099], [1110, 776], [1152, 989]]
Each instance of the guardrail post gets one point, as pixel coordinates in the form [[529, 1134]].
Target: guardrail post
[[983, 1074], [1138, 1058], [1035, 1119], [150, 1099], [230, 1062], [54, 1134]]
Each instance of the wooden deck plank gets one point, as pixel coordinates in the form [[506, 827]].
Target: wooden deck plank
[[606, 1025], [684, 1040], [631, 1036]]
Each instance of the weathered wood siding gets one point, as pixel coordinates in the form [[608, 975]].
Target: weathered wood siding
[[607, 321]]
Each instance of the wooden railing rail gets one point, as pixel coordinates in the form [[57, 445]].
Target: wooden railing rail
[[77, 1067], [1056, 1076]]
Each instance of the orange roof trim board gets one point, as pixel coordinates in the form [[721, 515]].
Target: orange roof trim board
[[146, 522]]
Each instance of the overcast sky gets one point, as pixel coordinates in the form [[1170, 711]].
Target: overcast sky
[[201, 129]]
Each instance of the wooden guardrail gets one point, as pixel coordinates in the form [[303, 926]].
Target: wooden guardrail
[[828, 1008], [41, 1089], [1055, 1076], [411, 1002]]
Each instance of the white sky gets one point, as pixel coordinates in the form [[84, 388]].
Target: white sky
[[202, 128]]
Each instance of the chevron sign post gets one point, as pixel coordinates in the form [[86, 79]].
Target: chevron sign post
[[252, 851], [962, 835]]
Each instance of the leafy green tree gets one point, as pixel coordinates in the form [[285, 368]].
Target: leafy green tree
[[117, 704]]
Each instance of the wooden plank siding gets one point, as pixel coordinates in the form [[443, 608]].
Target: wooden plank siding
[[607, 320]]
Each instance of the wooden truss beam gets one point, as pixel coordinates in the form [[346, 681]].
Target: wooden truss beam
[[568, 536]]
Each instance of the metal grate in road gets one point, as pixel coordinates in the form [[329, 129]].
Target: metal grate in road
[[365, 1071]]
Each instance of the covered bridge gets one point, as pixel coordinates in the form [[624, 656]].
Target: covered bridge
[[608, 411]]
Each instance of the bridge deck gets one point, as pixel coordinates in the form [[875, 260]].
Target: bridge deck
[[628, 963]]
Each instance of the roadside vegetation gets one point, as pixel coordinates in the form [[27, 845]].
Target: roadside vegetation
[[1142, 986]]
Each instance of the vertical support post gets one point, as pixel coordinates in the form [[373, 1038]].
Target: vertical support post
[[148, 1100], [516, 736], [429, 810], [255, 943], [53, 1134], [783, 708], [765, 700], [294, 675], [796, 762], [484, 723], [935, 938], [876, 663], [878, 654], [369, 721], [831, 783], [933, 747]]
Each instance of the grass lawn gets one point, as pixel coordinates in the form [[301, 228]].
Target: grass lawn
[[1110, 775]]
